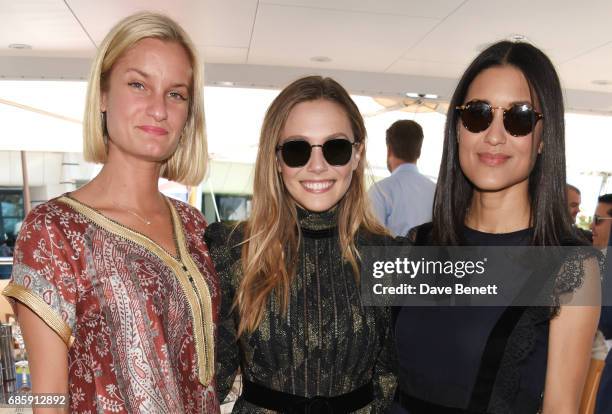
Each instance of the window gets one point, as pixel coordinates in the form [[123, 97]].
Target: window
[[11, 217], [230, 207]]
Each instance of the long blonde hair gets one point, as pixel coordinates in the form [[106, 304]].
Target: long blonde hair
[[189, 162], [272, 234]]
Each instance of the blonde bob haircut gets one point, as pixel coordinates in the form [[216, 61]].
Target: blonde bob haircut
[[188, 163], [272, 234]]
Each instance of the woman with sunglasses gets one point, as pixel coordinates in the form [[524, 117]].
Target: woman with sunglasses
[[292, 317], [501, 183]]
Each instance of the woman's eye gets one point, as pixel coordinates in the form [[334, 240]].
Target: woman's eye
[[178, 95], [136, 85]]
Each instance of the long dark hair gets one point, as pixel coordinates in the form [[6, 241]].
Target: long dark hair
[[549, 214]]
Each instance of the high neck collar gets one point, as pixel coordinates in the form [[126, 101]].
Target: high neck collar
[[313, 221]]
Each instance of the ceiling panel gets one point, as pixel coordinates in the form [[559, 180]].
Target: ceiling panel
[[426, 68], [290, 36], [432, 8], [559, 28], [46, 25], [220, 23], [379, 41], [232, 55], [579, 73]]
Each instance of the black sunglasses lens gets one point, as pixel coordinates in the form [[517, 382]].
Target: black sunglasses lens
[[338, 151], [296, 153], [477, 116], [519, 120]]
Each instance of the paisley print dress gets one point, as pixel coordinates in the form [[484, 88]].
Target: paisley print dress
[[139, 322]]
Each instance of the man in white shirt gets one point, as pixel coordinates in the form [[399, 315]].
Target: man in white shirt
[[405, 199]]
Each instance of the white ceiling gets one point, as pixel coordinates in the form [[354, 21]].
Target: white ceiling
[[375, 46]]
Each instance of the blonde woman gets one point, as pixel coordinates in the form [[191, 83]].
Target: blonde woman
[[112, 284], [292, 317]]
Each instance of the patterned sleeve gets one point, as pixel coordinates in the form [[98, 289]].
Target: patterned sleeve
[[220, 239], [45, 266]]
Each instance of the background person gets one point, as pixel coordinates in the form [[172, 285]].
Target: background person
[[113, 288], [574, 199], [405, 199], [298, 329], [5, 250], [501, 183], [602, 222]]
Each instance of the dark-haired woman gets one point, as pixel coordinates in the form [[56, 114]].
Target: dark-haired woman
[[299, 332], [501, 183]]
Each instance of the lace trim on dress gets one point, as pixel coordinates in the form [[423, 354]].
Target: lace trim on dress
[[521, 344]]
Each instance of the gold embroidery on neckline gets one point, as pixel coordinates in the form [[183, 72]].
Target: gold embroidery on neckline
[[198, 294]]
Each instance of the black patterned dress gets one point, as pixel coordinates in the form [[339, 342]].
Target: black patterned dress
[[328, 344]]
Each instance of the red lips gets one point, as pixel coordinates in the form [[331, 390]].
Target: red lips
[[154, 130]]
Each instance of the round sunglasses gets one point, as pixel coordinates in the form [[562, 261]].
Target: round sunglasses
[[519, 120], [336, 151]]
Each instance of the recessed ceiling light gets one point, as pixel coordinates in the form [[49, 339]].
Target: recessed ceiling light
[[602, 82], [517, 38], [19, 46], [513, 38], [422, 95], [225, 83], [320, 59]]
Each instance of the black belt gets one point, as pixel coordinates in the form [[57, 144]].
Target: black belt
[[294, 404], [417, 406]]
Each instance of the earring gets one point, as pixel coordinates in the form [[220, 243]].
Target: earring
[[104, 131]]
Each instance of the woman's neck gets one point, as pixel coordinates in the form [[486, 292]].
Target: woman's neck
[[124, 183], [502, 211]]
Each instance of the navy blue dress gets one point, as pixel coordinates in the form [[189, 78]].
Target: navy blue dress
[[472, 359]]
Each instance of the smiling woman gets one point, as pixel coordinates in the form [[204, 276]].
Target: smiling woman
[[145, 100], [292, 316], [112, 283], [501, 152], [502, 183], [325, 176]]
